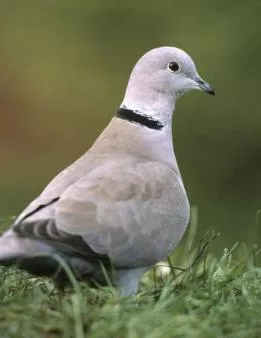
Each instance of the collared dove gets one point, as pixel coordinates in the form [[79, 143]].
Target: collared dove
[[122, 206]]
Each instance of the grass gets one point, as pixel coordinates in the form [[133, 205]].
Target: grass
[[211, 297]]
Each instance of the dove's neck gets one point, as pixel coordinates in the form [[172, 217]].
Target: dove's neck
[[156, 106], [150, 130], [141, 129]]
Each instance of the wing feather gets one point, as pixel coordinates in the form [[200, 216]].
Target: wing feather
[[133, 214]]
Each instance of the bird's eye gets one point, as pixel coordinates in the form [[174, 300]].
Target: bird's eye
[[173, 66]]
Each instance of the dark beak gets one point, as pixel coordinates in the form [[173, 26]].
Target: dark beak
[[206, 87]]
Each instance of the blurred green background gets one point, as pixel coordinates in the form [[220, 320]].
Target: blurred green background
[[64, 66]]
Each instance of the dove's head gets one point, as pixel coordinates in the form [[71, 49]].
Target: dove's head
[[160, 77]]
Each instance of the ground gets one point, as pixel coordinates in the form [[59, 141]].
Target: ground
[[213, 297]]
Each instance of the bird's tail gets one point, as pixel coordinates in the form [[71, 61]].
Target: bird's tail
[[42, 259], [34, 256], [12, 247]]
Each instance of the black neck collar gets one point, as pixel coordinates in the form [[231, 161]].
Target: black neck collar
[[135, 117]]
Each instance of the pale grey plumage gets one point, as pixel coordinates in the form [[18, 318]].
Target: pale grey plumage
[[123, 202]]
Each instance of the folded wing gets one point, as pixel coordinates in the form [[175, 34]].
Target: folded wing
[[132, 215]]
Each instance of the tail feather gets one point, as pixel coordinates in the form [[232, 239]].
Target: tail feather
[[22, 252], [13, 246], [40, 258]]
